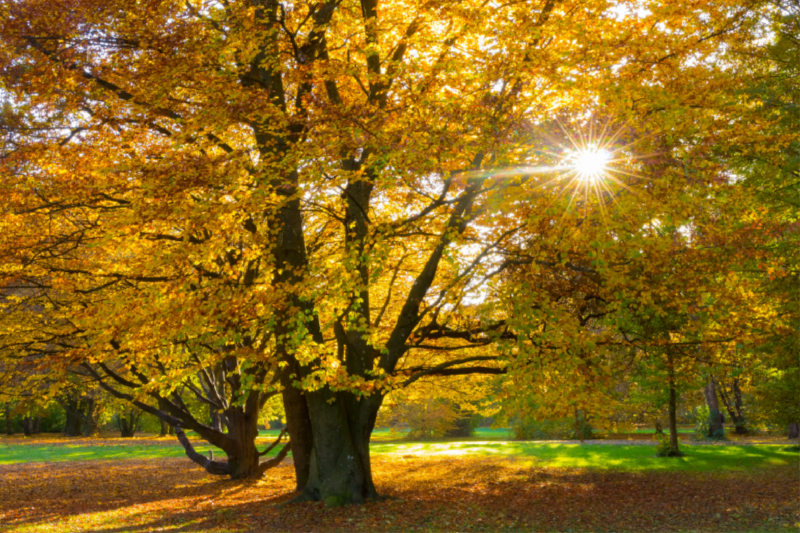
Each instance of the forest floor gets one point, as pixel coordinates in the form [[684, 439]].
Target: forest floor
[[458, 486]]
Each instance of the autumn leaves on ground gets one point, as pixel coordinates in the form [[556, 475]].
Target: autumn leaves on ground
[[428, 492]]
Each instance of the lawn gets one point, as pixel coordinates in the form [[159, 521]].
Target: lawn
[[433, 492], [593, 456]]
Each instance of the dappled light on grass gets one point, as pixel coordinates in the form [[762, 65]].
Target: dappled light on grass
[[438, 493], [633, 458]]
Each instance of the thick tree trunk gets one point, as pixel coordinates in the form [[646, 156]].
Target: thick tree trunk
[[715, 428], [673, 409], [9, 428], [37, 421], [243, 456], [794, 430], [340, 469], [298, 422], [243, 459], [164, 428]]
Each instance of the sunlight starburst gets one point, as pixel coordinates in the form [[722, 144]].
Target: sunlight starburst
[[589, 163]]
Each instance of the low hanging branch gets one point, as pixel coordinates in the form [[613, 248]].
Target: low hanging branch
[[212, 467], [275, 461]]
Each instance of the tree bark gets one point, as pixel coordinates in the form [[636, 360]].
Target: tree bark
[[89, 410], [128, 422], [339, 467], [74, 418], [243, 456], [216, 418], [27, 425], [673, 408], [794, 430], [164, 428], [9, 428], [734, 408], [715, 428]]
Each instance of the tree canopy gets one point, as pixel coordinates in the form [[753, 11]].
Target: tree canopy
[[333, 200]]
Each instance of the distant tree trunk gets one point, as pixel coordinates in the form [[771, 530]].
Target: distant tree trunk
[[37, 421], [734, 408], [794, 430], [715, 428], [27, 425], [9, 428], [89, 407], [128, 422], [166, 428], [673, 408], [72, 406]]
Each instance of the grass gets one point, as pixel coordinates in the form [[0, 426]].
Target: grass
[[25, 453], [606, 457], [486, 443]]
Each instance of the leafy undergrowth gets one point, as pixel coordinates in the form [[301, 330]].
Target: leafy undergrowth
[[435, 494]]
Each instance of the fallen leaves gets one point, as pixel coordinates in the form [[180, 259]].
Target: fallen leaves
[[432, 494]]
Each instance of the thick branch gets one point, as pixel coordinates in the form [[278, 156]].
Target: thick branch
[[212, 467]]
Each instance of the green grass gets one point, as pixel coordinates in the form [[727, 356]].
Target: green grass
[[594, 456], [666, 430], [24, 453], [598, 456]]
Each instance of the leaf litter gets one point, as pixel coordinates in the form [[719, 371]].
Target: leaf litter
[[466, 493]]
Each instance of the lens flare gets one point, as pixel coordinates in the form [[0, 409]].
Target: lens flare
[[590, 164]]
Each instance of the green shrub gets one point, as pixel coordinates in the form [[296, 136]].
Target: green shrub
[[464, 426], [663, 448], [702, 424]]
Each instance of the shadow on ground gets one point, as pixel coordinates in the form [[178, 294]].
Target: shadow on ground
[[435, 494]]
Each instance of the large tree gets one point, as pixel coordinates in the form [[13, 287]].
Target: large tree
[[335, 199]]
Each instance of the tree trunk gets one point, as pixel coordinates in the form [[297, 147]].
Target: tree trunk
[[216, 418], [339, 468], [794, 430], [164, 428], [72, 406], [240, 447], [673, 408], [298, 422], [243, 460], [37, 421], [734, 408], [9, 428], [715, 428], [127, 424], [89, 416], [27, 425]]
